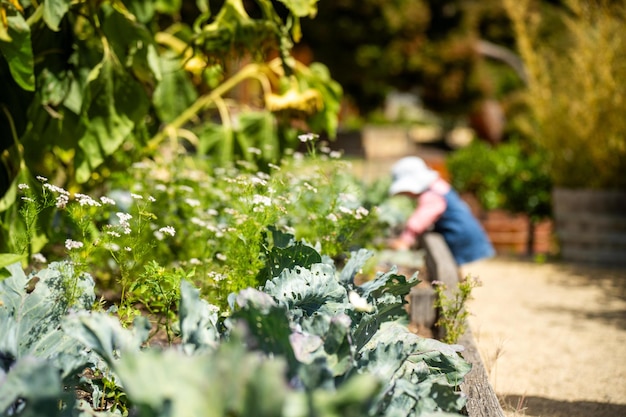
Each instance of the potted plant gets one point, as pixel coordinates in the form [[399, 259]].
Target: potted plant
[[512, 189], [575, 99]]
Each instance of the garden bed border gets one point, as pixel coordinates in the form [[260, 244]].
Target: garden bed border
[[440, 266]]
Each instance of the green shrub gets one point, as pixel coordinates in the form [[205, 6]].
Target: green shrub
[[576, 94]]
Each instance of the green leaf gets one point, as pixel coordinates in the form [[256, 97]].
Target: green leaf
[[54, 11], [306, 289], [142, 9], [168, 6], [32, 309], [113, 103], [105, 334], [301, 8], [175, 92], [19, 52], [134, 45], [227, 382], [258, 129], [7, 259], [353, 266], [38, 384], [198, 320]]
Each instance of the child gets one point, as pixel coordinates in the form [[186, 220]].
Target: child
[[439, 208]]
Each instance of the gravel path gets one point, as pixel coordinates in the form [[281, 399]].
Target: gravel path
[[552, 336]]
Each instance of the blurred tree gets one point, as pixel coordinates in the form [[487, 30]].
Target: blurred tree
[[438, 48]]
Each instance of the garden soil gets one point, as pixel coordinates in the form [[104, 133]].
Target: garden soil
[[552, 336]]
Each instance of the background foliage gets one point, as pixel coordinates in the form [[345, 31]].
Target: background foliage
[[87, 83], [575, 97]]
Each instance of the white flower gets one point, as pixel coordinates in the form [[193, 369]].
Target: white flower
[[106, 200], [253, 150], [168, 230], [136, 196], [212, 212], [258, 181], [361, 212], [310, 187], [151, 199], [72, 244], [85, 200], [332, 217], [359, 303], [62, 201], [335, 154], [124, 217], [128, 248], [192, 202], [38, 257], [113, 247], [220, 256], [56, 189], [216, 276], [261, 199], [22, 187], [308, 137], [42, 179]]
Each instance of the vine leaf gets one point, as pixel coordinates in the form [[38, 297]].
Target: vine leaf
[[112, 105], [54, 11], [19, 53]]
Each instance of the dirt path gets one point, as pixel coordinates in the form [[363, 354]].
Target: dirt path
[[552, 337]]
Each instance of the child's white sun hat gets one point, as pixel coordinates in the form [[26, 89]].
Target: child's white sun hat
[[412, 175]]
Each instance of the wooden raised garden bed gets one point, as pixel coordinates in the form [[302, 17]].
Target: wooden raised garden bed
[[437, 263]]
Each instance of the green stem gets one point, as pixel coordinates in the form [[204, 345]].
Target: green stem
[[249, 71]]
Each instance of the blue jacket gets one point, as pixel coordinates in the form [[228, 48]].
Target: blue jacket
[[464, 235]]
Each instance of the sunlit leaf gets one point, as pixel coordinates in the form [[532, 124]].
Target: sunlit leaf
[[54, 11], [113, 104], [301, 8], [19, 52]]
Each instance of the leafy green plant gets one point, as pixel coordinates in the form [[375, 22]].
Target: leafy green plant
[[310, 342], [452, 308], [209, 224], [92, 87], [512, 176]]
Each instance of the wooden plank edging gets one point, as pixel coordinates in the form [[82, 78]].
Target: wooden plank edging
[[440, 266]]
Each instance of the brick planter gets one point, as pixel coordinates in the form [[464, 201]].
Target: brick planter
[[509, 232]]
